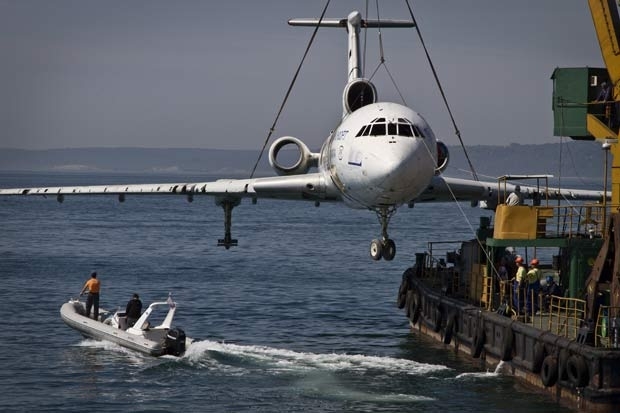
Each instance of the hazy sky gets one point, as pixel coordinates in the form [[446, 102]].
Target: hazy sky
[[212, 74]]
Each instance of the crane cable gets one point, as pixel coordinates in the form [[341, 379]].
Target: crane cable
[[443, 95], [290, 88]]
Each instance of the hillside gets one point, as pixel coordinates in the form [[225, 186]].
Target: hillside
[[579, 159]]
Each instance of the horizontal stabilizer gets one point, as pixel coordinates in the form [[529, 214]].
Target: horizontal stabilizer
[[343, 23]]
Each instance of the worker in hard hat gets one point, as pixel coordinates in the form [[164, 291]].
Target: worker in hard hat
[[533, 287], [519, 285], [549, 288]]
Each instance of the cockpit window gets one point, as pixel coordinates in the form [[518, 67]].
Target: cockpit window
[[404, 127], [378, 129], [361, 132]]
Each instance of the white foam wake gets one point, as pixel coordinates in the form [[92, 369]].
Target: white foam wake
[[503, 368], [293, 360]]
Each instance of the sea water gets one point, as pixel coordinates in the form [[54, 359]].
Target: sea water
[[295, 318]]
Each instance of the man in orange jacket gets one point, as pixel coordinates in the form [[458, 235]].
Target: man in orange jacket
[[93, 285]]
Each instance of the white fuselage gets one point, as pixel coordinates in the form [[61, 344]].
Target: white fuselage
[[389, 163]]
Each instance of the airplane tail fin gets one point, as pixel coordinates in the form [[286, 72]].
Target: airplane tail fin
[[359, 91]]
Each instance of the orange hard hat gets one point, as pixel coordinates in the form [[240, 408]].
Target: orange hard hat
[[519, 259], [534, 261]]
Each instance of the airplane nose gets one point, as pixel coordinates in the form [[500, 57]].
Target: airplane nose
[[401, 167]]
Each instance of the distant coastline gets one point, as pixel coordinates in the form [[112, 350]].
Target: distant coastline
[[579, 159]]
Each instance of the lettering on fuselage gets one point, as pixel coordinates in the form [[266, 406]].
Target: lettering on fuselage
[[341, 134]]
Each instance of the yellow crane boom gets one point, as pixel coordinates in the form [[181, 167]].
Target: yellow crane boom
[[607, 27]]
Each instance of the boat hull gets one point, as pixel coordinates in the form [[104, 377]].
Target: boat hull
[[151, 343], [570, 372]]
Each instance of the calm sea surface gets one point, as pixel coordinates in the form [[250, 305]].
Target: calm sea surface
[[296, 318]]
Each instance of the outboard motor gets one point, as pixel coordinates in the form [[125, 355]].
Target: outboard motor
[[175, 342]]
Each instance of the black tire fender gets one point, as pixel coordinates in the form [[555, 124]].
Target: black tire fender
[[408, 305], [562, 361], [450, 327], [439, 311], [549, 371], [401, 299], [415, 307], [539, 356], [507, 340], [478, 343], [577, 371]]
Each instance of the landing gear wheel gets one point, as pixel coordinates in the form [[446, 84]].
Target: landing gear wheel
[[389, 250], [376, 249], [385, 248]]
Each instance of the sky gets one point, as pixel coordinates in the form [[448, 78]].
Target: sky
[[213, 74]]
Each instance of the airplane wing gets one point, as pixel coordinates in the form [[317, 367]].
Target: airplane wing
[[307, 186], [313, 187], [443, 189], [227, 192]]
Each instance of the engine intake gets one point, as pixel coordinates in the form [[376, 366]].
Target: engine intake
[[358, 93], [305, 160], [443, 156]]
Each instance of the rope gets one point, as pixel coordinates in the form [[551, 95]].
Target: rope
[[443, 95], [290, 88], [365, 40], [381, 54]]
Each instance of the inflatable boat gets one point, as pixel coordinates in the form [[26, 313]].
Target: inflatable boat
[[143, 336]]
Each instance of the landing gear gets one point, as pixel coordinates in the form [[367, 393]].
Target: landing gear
[[389, 250], [384, 248], [376, 249], [228, 241]]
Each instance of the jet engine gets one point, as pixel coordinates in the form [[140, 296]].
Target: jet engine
[[358, 93], [443, 156], [305, 159]]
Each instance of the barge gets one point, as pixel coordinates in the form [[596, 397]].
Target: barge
[[565, 343]]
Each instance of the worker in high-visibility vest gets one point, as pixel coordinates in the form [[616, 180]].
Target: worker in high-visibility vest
[[533, 287]]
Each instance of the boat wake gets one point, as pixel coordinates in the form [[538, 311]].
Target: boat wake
[[334, 376], [502, 369], [211, 353]]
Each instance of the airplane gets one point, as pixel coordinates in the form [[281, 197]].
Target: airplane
[[382, 155]]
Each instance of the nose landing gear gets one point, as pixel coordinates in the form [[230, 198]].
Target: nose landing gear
[[384, 248]]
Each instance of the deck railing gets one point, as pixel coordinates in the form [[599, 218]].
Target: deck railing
[[561, 316], [566, 316], [585, 220]]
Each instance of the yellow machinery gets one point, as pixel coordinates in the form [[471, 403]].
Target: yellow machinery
[[607, 24], [605, 273]]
